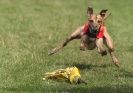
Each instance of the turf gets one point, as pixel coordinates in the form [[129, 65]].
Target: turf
[[29, 28]]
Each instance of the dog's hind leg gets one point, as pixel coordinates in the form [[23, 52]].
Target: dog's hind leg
[[75, 35], [100, 46]]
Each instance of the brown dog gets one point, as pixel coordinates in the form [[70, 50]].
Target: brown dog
[[92, 34]]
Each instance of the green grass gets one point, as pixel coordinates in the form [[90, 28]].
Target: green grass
[[29, 28]]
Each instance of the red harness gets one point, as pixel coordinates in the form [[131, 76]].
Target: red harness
[[86, 30]]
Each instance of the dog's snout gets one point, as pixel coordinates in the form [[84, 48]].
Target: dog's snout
[[95, 26]]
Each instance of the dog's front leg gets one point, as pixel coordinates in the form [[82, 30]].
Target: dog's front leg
[[75, 35], [53, 51], [109, 43]]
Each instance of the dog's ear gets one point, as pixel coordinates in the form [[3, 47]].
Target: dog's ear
[[90, 10], [103, 12]]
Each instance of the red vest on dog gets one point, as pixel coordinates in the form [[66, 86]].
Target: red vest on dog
[[96, 34]]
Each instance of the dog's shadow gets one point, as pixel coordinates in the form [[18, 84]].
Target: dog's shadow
[[85, 65], [90, 66]]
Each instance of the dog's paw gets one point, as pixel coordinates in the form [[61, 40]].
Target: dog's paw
[[104, 53], [116, 62], [50, 53], [82, 49]]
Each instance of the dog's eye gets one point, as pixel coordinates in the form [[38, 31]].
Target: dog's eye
[[99, 21], [91, 21], [103, 14]]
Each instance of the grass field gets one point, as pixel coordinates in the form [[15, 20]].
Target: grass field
[[29, 28]]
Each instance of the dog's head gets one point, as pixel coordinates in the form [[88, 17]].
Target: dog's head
[[95, 20]]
